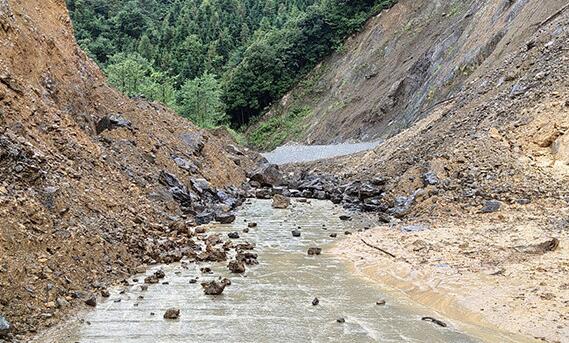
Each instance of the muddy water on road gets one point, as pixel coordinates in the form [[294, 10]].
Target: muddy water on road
[[271, 302]]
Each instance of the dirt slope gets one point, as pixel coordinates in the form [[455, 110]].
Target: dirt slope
[[91, 183], [407, 60], [475, 198]]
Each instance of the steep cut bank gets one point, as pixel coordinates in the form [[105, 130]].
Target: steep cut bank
[[93, 185], [408, 59], [472, 198]]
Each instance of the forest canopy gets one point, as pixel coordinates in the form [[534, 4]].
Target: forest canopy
[[214, 60]]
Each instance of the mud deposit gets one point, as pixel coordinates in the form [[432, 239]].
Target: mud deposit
[[270, 302]]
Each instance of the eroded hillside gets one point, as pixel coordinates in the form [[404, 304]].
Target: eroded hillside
[[407, 60], [92, 184], [473, 193]]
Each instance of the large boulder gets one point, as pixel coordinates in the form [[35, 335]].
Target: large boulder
[[267, 175]]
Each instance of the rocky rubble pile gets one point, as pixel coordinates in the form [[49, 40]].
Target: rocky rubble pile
[[92, 184]]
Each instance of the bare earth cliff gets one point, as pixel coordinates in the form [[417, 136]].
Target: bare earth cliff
[[92, 184]]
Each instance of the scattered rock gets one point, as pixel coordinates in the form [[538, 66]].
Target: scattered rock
[[491, 206], [435, 321], [194, 280], [233, 235], [252, 225], [225, 218], [380, 302], [105, 293], [213, 287], [236, 266], [341, 320], [345, 217], [430, 179], [151, 279], [5, 326], [295, 233], [333, 235], [91, 301], [172, 313], [315, 302], [61, 302], [280, 201], [314, 251]]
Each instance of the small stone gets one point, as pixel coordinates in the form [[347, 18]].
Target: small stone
[[315, 302], [491, 206], [252, 225], [333, 235], [295, 233], [193, 280], [172, 313], [236, 266], [151, 279], [347, 233], [143, 287], [314, 251], [380, 302], [246, 230], [345, 217], [105, 293], [159, 274], [5, 327], [341, 320], [233, 235], [62, 302], [92, 301]]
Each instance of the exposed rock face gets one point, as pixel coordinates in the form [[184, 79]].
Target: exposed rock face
[[280, 202]]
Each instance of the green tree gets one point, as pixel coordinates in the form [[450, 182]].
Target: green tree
[[200, 101]]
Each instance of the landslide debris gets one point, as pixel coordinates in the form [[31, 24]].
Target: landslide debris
[[92, 184]]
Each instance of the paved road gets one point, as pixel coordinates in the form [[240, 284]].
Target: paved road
[[305, 153]]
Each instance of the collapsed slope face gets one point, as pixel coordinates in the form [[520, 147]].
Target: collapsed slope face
[[92, 183], [406, 61]]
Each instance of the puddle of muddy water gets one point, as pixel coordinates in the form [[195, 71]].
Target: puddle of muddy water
[[271, 302]]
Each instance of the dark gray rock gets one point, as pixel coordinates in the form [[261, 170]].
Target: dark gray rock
[[315, 301], [263, 193], [267, 175], [204, 218], [194, 141], [225, 218], [185, 164], [295, 233], [491, 206], [233, 235], [91, 301]]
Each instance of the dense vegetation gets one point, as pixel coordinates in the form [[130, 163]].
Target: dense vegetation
[[214, 60]]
